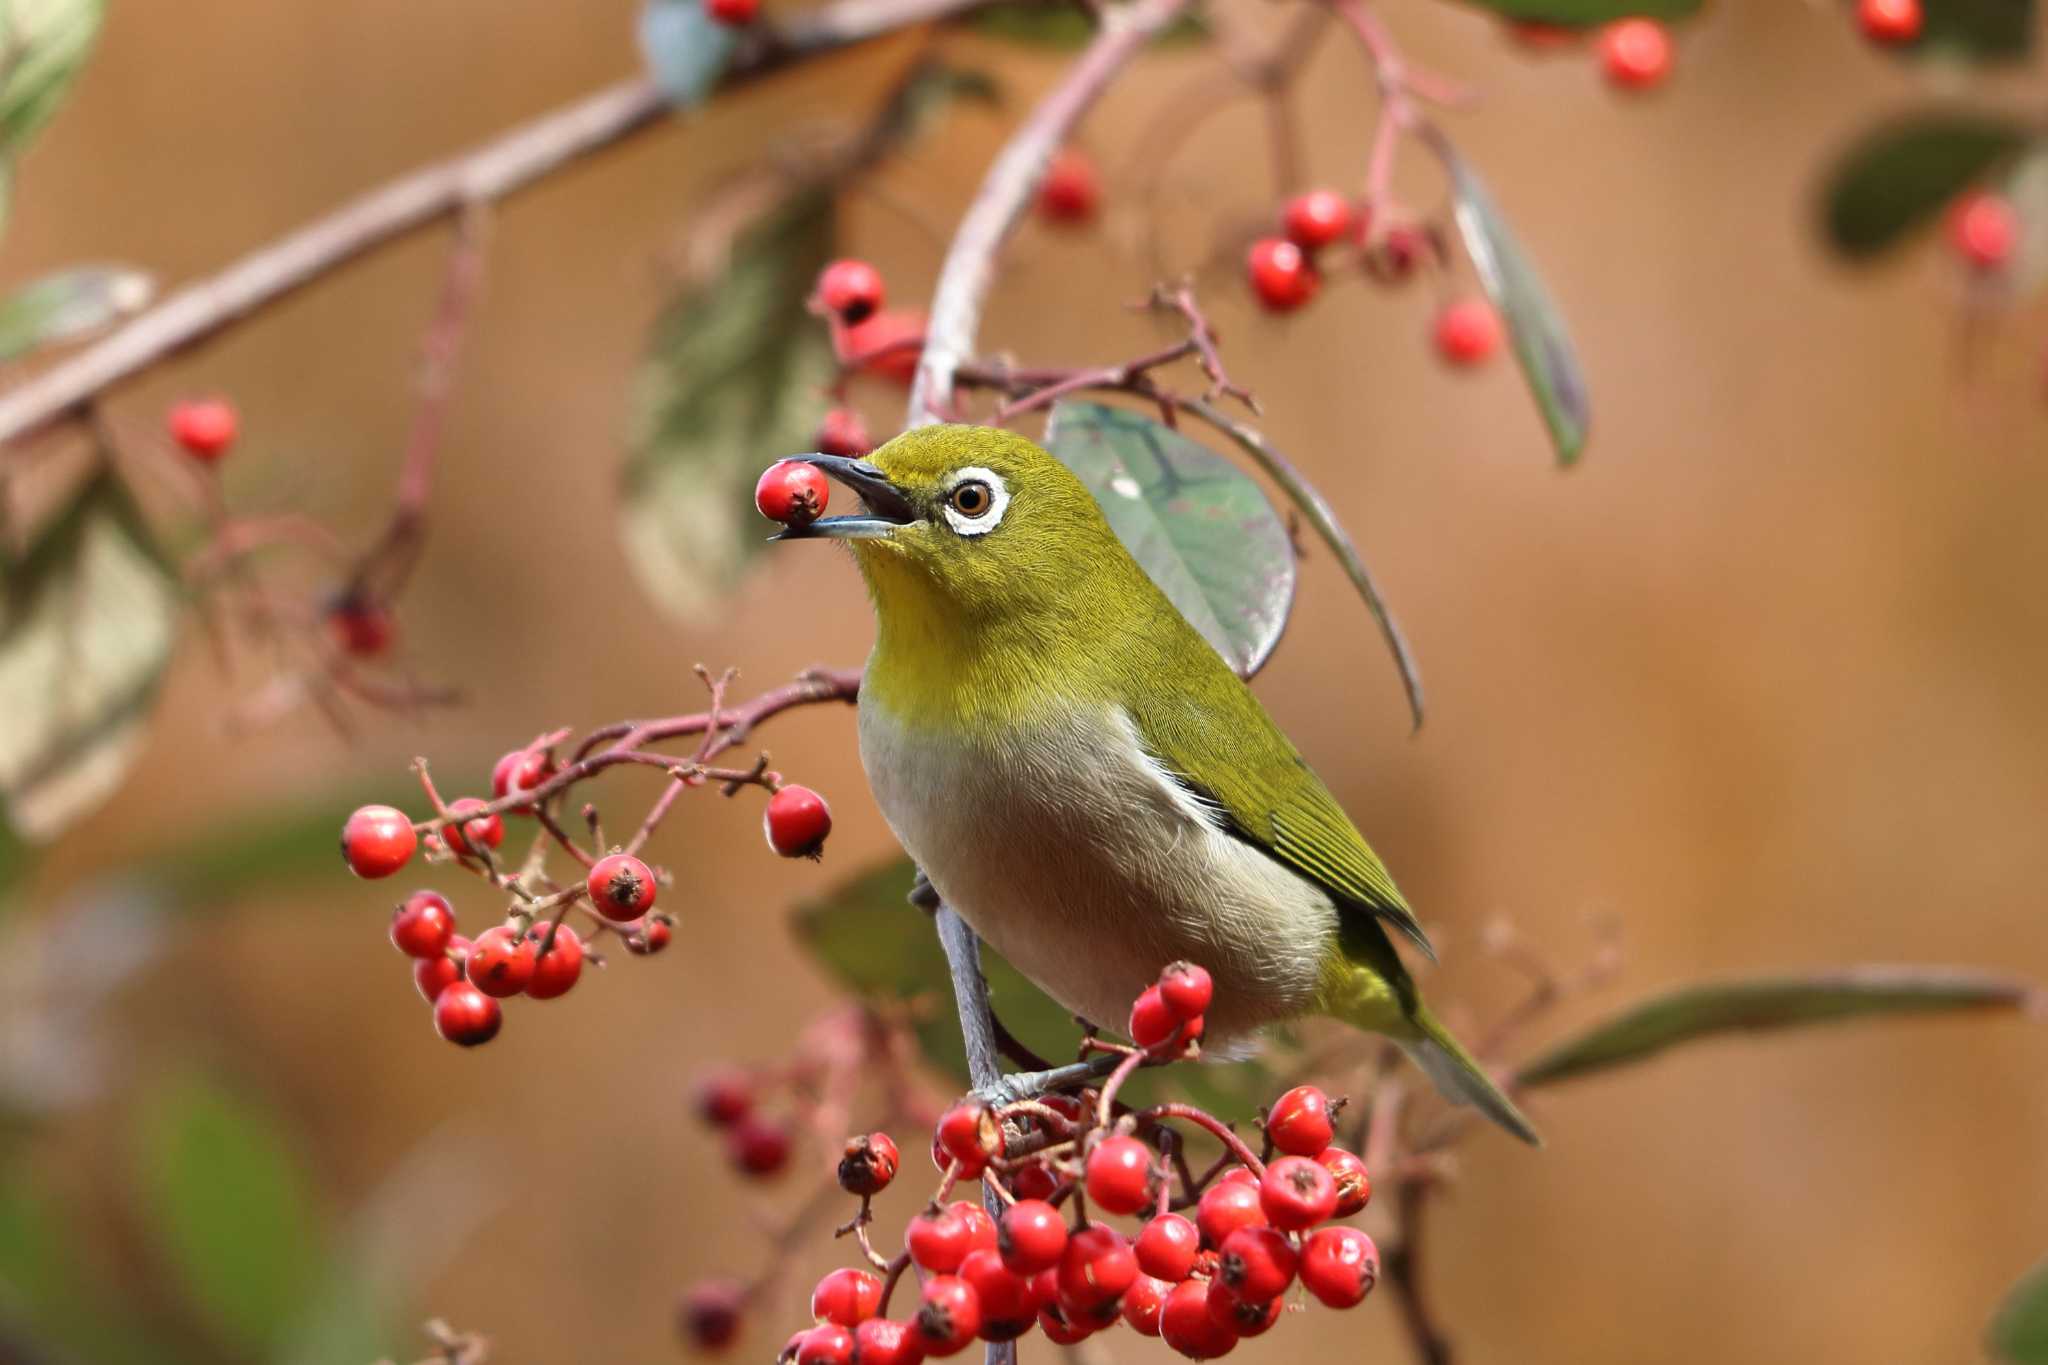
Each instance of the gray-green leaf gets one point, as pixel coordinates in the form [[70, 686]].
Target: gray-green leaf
[[1773, 1003], [229, 1210], [1899, 176], [1973, 30], [685, 48], [1200, 526], [730, 383], [86, 625], [1535, 326], [2019, 1331], [68, 304], [43, 43], [1066, 26]]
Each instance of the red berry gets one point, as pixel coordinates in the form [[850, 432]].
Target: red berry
[[361, 628], [709, 1314], [868, 1164], [737, 13], [1008, 1307], [650, 938], [1244, 1319], [1281, 274], [1537, 36], [1059, 1329], [843, 433], [886, 345], [758, 1147], [981, 1229], [1395, 256], [554, 970], [621, 887], [1142, 1304], [1166, 1247], [520, 771], [377, 841], [1468, 331], [465, 1015], [1297, 1193], [1299, 1122], [1984, 229], [1340, 1266], [792, 492], [948, 1315], [1239, 1174], [1031, 1236], [847, 1296], [1315, 220], [500, 962], [886, 1341], [1636, 53], [1889, 21], [1186, 990], [1227, 1206], [968, 1132], [796, 822], [1256, 1264], [1095, 1270], [724, 1098], [422, 926], [1072, 190], [939, 1239], [432, 975], [466, 835], [850, 290], [1034, 1180], [1186, 1325], [828, 1343], [1120, 1175], [1152, 1023], [205, 427], [1354, 1183]]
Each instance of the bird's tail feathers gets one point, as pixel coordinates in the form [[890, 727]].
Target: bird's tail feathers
[[1460, 1076]]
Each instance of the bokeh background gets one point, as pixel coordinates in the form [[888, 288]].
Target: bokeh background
[[1762, 679]]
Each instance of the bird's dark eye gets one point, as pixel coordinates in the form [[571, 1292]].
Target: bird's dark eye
[[971, 499]]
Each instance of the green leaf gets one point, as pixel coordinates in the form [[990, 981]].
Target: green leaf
[[86, 625], [2019, 1331], [229, 1210], [1535, 327], [69, 304], [885, 950], [731, 383], [1898, 177], [1066, 26], [43, 43], [1200, 526], [1587, 13], [685, 48], [1773, 1003], [1973, 30]]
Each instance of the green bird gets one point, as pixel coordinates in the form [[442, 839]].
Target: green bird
[[1087, 783]]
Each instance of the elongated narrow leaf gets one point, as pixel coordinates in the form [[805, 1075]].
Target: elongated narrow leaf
[[86, 624], [43, 43], [1585, 13], [229, 1211], [1972, 30], [885, 950], [685, 48], [1200, 526], [2019, 1332], [1535, 326], [69, 304], [1899, 176], [1773, 1003], [731, 382]]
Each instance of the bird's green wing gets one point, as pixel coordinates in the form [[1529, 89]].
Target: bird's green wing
[[1217, 741]]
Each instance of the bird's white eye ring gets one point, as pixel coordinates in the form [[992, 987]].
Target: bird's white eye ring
[[975, 501]]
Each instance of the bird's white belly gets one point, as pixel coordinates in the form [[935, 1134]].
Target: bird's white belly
[[1072, 854]]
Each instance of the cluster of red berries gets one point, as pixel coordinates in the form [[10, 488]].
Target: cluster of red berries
[[866, 336], [464, 979], [758, 1147], [1284, 274], [1202, 1280]]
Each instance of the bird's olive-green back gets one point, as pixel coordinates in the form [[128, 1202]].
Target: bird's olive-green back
[[1047, 609]]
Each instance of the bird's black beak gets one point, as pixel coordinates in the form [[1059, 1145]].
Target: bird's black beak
[[884, 508]]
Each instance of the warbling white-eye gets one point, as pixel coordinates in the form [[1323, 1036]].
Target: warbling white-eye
[[1086, 782]]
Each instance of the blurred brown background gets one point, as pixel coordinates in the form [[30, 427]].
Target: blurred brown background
[[1763, 678]]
